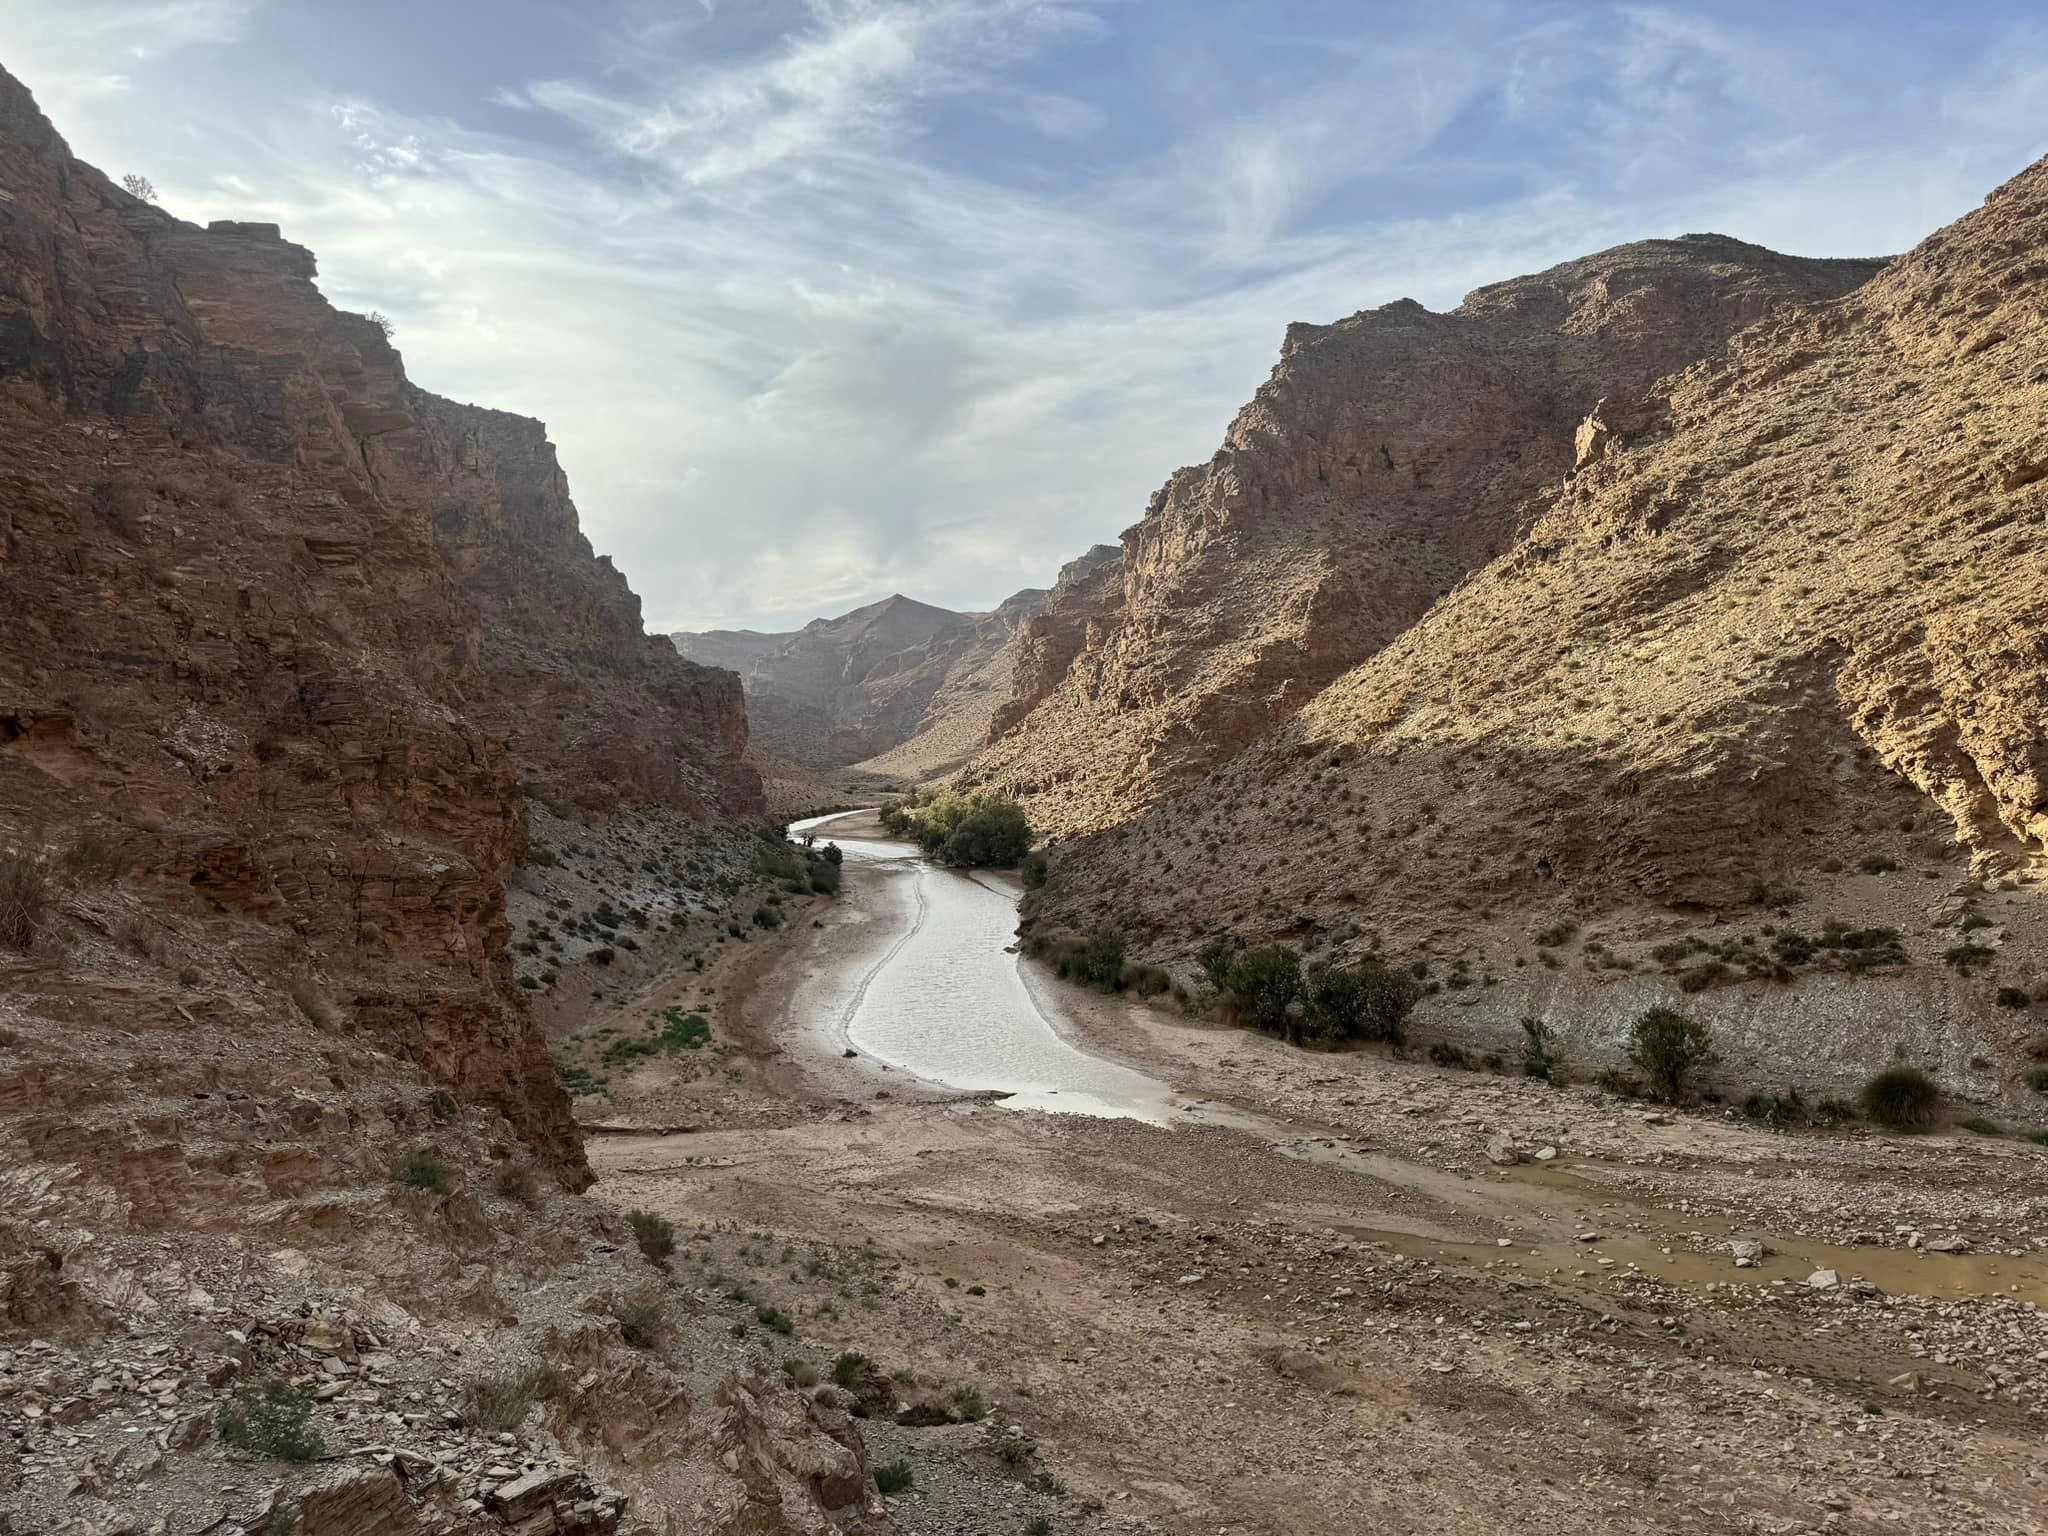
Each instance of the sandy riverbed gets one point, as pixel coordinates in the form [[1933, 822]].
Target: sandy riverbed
[[1331, 1308]]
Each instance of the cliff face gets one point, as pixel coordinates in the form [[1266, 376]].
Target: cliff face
[[1388, 456], [1773, 657], [274, 615], [869, 683]]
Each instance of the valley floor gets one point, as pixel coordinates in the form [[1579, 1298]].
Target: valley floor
[[1343, 1289]]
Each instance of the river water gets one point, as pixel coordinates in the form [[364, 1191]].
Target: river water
[[939, 991]]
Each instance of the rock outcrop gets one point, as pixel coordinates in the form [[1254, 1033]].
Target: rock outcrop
[[1389, 456], [292, 649], [868, 683], [1771, 661]]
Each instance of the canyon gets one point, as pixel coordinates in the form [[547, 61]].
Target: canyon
[[439, 1094]]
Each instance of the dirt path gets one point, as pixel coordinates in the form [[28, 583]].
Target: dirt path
[[1329, 1307]]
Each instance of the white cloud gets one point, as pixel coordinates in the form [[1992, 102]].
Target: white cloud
[[796, 354]]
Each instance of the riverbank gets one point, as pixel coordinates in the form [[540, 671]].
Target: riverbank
[[1351, 1313]]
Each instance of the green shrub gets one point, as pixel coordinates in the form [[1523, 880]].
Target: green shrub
[[774, 1319], [965, 831], [2037, 1079], [1539, 1049], [1038, 1526], [767, 917], [1099, 963], [1671, 1050], [273, 1419], [967, 1403], [1215, 959], [894, 1477], [1362, 1002], [1977, 1125], [1447, 1055], [423, 1170], [1877, 864], [1264, 984], [826, 876], [2014, 997], [850, 1371], [656, 1236], [1901, 1098]]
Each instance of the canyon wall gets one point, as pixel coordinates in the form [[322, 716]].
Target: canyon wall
[[1749, 715], [1389, 456]]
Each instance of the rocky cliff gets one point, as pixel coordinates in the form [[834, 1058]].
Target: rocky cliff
[[868, 683], [1388, 457], [1748, 715], [285, 637]]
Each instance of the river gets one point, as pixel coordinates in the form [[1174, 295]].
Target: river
[[940, 992]]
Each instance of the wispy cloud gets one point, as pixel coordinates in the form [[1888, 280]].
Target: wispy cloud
[[824, 300]]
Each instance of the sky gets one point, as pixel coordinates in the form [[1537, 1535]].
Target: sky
[[826, 299]]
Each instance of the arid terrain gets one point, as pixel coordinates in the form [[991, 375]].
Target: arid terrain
[[438, 1097], [1349, 1287]]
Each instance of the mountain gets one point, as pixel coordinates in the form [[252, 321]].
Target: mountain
[[1388, 457], [1744, 714], [295, 654], [865, 684]]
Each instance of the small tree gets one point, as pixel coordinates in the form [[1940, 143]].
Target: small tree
[[1215, 959], [139, 187], [382, 321], [1366, 1002], [1265, 984], [1671, 1049]]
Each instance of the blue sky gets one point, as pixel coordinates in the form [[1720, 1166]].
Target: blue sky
[[823, 299]]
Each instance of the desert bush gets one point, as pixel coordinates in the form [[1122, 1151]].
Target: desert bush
[[1977, 1125], [1362, 1002], [656, 1236], [850, 1371], [801, 1373], [1671, 1050], [1445, 1054], [1901, 1098], [894, 1477], [767, 917], [1215, 959], [311, 1002], [139, 187], [774, 1319], [1147, 980], [499, 1404], [1539, 1049], [273, 1419], [2037, 1079], [1099, 963], [642, 1317], [516, 1180], [2014, 997], [826, 876], [1264, 984], [423, 1170], [24, 898], [968, 1404], [1036, 869]]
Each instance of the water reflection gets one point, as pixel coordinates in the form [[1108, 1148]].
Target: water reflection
[[939, 995]]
